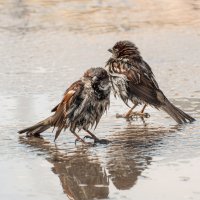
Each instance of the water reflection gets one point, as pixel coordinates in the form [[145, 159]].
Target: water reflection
[[132, 152], [124, 170], [82, 174], [81, 178]]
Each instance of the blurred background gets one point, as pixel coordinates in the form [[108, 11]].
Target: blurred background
[[45, 45]]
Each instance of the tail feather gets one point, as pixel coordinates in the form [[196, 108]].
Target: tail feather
[[177, 114], [58, 133], [37, 128]]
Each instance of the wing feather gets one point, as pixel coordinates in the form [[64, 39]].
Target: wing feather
[[140, 79], [146, 89], [62, 110], [72, 87]]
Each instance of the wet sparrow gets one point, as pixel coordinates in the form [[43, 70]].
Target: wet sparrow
[[82, 106], [132, 79]]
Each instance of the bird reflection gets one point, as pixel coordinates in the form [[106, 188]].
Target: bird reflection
[[132, 153], [81, 178], [126, 157]]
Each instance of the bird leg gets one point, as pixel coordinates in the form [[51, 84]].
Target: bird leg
[[141, 113], [80, 139], [130, 114], [145, 105], [127, 115], [95, 138]]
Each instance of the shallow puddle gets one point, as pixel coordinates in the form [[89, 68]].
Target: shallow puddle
[[44, 47]]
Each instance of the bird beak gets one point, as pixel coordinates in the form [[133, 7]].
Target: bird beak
[[110, 50]]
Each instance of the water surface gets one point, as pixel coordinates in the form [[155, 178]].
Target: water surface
[[44, 47]]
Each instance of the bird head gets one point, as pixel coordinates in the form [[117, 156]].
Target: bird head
[[124, 49], [98, 77]]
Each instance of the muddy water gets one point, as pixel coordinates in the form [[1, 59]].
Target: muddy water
[[46, 45]]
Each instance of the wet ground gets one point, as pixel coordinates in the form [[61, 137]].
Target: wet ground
[[46, 45]]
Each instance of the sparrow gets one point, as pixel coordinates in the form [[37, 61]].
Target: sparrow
[[82, 106], [132, 80]]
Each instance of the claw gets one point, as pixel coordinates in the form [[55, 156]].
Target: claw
[[76, 140], [132, 115], [126, 116], [139, 114], [88, 137], [96, 140], [83, 142]]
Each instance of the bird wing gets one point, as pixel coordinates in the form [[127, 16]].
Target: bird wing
[[62, 109], [142, 83], [140, 78], [67, 92], [150, 73]]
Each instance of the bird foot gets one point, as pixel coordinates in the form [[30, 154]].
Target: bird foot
[[88, 137], [126, 116], [97, 140], [132, 115], [139, 114], [83, 142]]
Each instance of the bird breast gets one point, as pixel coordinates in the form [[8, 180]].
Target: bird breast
[[89, 112], [118, 80]]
